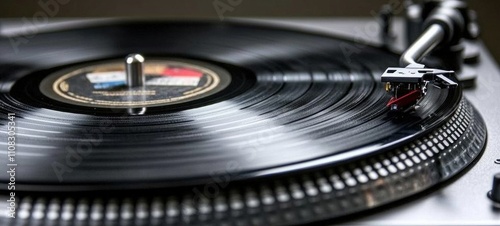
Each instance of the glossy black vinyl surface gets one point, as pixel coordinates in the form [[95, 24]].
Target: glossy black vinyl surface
[[297, 101]]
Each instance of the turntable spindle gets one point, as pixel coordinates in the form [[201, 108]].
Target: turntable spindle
[[135, 70]]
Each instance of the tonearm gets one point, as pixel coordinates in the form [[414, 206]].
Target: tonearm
[[443, 27]]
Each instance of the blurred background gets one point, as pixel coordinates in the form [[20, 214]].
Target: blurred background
[[487, 10]]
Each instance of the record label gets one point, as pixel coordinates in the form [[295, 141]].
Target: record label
[[167, 82]]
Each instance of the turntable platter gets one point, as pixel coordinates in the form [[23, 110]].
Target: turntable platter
[[301, 118]]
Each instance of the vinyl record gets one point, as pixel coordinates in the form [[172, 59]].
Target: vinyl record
[[288, 112]]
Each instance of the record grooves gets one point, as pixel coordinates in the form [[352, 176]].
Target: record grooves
[[300, 134]]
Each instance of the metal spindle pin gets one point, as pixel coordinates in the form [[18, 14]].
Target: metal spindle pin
[[135, 70]]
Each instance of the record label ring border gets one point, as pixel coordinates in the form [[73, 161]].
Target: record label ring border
[[169, 81]]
